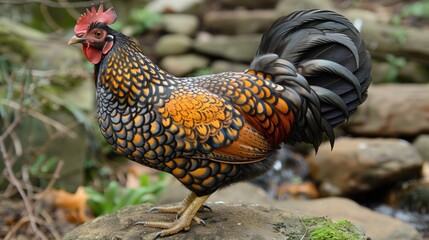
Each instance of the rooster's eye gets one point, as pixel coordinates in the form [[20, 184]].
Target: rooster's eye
[[97, 34]]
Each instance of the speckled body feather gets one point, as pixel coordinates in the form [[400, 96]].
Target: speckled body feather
[[214, 130]]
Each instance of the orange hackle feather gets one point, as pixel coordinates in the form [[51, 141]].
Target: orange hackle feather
[[92, 16]]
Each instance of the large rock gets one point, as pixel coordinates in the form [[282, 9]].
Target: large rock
[[375, 225], [238, 48], [249, 3], [411, 43], [332, 207], [239, 21], [181, 65], [358, 165], [393, 110], [172, 44], [176, 6], [412, 72], [422, 146], [227, 221], [285, 7], [219, 66], [367, 16], [180, 23]]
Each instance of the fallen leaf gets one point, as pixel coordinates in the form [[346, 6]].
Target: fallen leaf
[[74, 204]]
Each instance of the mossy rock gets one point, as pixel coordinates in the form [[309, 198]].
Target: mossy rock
[[227, 221], [321, 228]]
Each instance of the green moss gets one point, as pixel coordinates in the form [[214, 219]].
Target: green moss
[[324, 229]]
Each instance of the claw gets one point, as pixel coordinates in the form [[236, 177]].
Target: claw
[[157, 235], [153, 209], [139, 223], [204, 207], [202, 222]]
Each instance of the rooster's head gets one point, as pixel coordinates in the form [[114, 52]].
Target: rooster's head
[[92, 31]]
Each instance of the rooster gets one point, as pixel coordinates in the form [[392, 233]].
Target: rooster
[[311, 70]]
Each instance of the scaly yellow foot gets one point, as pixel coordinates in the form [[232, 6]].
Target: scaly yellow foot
[[183, 223], [179, 209]]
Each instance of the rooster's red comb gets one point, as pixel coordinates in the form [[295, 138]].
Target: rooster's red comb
[[86, 19]]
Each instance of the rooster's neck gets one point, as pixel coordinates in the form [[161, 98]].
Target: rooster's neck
[[130, 76]]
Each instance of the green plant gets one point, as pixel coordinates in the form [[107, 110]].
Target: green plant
[[416, 9], [143, 20], [395, 65], [419, 9], [115, 197], [324, 229], [22, 160], [43, 167], [398, 34]]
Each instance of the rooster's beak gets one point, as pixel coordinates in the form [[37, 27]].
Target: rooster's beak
[[75, 40]]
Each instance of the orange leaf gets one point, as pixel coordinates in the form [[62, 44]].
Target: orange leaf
[[74, 204]]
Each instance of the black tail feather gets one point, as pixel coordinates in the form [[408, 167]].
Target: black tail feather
[[332, 67]]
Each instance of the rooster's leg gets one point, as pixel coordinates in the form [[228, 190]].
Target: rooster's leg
[[184, 222], [179, 209]]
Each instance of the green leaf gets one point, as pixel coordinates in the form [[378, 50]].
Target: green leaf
[[144, 20], [94, 195], [115, 197], [417, 9], [49, 165], [126, 198], [35, 167], [138, 195], [112, 194], [148, 198], [144, 180], [96, 208]]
